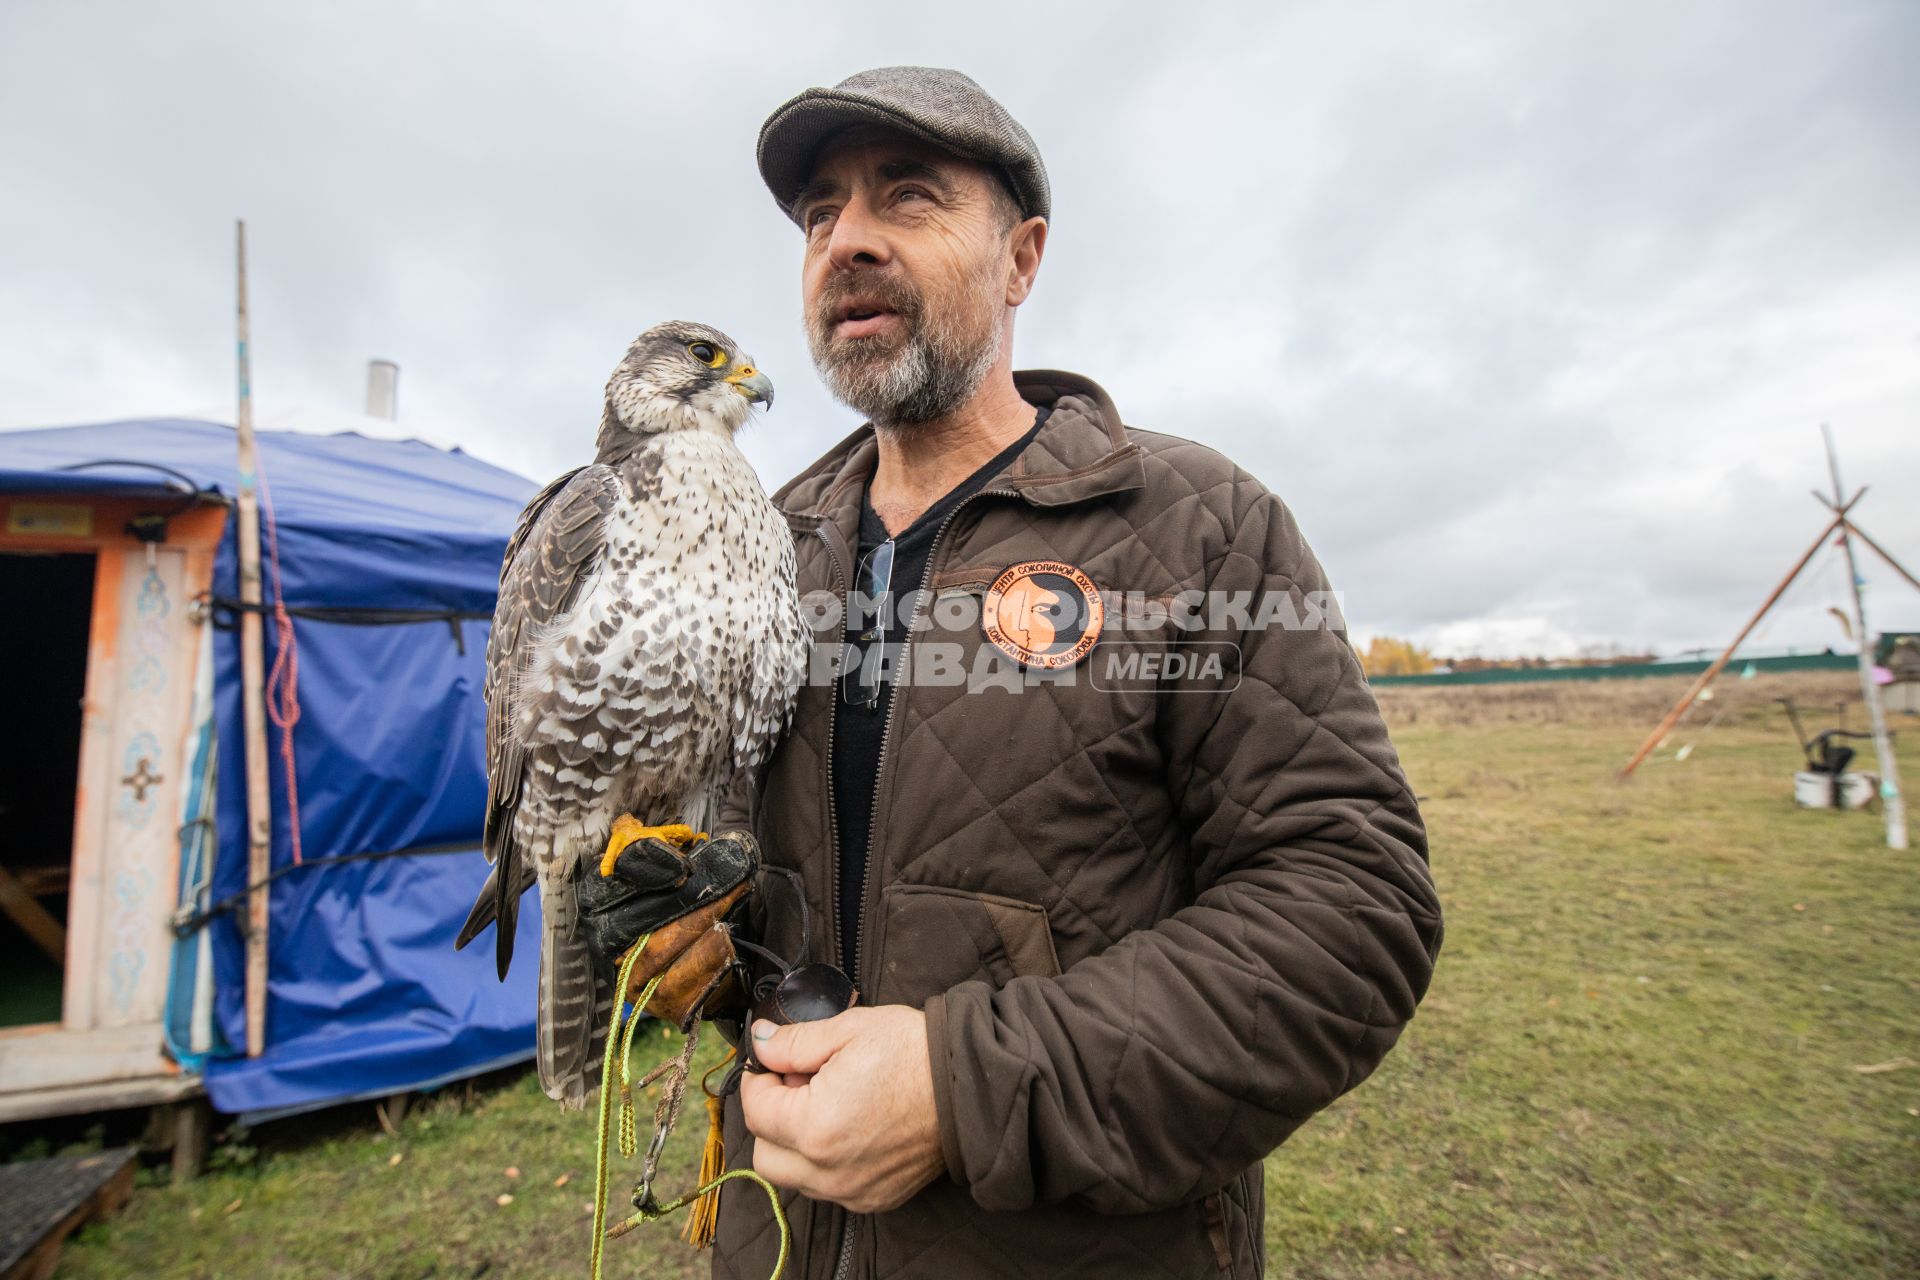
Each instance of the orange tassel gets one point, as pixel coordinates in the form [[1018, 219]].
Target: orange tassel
[[704, 1221]]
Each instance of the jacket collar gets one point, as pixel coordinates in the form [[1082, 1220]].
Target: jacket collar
[[1081, 453]]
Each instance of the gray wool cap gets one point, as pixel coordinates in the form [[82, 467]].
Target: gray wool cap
[[930, 103]]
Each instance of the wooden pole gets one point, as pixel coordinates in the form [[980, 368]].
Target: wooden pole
[[252, 677], [1892, 806], [1884, 554], [1706, 677]]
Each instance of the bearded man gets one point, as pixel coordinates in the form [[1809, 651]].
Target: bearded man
[[1129, 893]]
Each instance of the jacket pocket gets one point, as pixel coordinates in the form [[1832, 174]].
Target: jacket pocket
[[934, 938]]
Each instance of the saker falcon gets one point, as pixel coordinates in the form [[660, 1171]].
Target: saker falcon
[[646, 650]]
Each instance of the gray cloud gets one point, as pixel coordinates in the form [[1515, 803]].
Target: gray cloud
[[1530, 311]]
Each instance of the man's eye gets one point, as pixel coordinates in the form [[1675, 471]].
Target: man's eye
[[818, 218], [707, 354]]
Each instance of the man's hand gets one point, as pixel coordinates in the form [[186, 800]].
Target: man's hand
[[847, 1112]]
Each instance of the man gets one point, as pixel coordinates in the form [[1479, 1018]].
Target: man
[[1099, 813]]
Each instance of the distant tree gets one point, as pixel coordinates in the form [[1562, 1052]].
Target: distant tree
[[1386, 656], [1611, 654]]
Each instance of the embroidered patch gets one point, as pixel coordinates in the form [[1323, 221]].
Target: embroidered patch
[[1043, 614]]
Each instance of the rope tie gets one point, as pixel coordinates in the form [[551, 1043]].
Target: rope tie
[[283, 681]]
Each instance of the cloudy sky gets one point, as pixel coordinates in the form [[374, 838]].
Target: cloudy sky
[[1531, 311]]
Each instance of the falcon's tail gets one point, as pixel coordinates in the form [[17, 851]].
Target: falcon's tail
[[484, 908], [568, 1004], [488, 908]]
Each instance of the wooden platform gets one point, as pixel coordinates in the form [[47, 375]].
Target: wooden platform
[[49, 1071], [42, 1202]]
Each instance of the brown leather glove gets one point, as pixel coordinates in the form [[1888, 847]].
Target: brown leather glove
[[683, 900]]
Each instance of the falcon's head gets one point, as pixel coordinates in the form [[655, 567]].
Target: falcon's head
[[681, 376]]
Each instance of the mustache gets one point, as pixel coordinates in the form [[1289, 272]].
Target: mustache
[[889, 291]]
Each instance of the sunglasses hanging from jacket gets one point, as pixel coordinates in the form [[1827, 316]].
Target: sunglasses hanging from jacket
[[869, 613]]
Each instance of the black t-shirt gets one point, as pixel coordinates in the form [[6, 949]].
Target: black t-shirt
[[857, 730]]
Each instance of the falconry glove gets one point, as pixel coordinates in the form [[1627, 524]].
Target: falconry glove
[[683, 903]]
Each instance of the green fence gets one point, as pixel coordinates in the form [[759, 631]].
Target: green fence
[[1639, 670]]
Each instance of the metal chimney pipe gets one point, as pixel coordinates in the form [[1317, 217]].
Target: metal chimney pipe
[[383, 389]]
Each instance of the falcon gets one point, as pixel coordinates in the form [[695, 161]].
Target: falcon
[[646, 649]]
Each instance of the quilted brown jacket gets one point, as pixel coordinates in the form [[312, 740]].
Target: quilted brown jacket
[[1155, 923]]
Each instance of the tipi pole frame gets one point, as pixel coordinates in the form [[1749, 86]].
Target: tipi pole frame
[[1706, 677], [252, 671], [1893, 807], [1884, 554]]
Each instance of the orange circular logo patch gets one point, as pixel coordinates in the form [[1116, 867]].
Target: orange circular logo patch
[[1043, 614]]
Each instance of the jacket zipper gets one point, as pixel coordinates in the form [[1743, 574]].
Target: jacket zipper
[[844, 1267], [886, 730], [845, 1261], [833, 817]]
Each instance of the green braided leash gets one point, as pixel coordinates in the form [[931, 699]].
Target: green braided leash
[[620, 1046]]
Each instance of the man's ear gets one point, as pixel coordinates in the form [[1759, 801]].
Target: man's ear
[[1028, 243]]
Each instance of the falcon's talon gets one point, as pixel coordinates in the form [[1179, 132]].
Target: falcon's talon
[[628, 829]]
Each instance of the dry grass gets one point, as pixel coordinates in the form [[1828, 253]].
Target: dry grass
[[1638, 1059], [1607, 704], [1639, 1055]]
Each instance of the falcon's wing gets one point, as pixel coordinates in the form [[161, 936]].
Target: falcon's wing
[[556, 548]]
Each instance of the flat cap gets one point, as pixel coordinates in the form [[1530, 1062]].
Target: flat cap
[[930, 103]]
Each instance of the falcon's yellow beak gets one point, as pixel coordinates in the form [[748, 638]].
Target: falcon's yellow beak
[[752, 384]]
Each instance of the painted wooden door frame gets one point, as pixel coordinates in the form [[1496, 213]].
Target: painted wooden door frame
[[142, 646]]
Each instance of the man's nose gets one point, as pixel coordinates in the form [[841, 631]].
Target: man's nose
[[857, 239]]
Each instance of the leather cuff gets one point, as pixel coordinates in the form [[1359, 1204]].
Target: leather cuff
[[681, 903]]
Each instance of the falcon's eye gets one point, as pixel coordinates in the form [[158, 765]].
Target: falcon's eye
[[708, 354]]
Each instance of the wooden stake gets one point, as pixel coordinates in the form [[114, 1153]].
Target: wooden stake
[[1892, 805], [1706, 677], [252, 678]]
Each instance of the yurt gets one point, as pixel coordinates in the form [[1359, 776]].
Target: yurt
[[124, 850]]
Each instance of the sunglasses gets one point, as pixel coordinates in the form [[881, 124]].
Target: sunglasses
[[864, 657]]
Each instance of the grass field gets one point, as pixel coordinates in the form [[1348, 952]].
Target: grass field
[[1641, 1056]]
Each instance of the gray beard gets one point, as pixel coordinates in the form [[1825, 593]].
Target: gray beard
[[933, 375]]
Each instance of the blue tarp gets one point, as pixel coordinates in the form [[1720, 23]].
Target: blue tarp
[[366, 995]]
